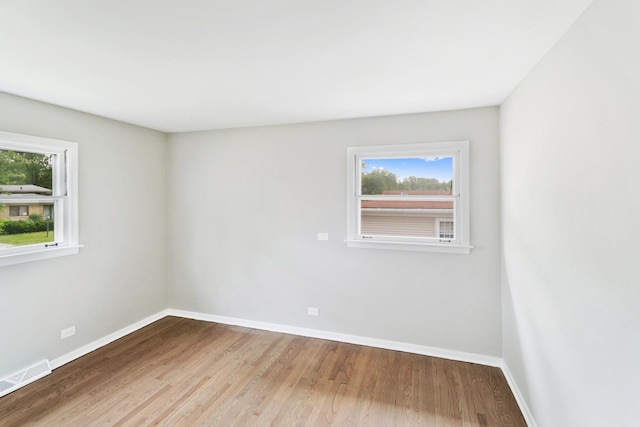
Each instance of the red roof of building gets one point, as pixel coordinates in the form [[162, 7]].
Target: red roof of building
[[406, 204], [416, 193], [410, 204]]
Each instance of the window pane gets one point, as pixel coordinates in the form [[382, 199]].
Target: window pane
[[25, 173], [409, 218], [25, 176], [26, 224], [433, 175]]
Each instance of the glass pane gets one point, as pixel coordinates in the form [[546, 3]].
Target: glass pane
[[26, 224], [24, 177], [409, 176], [407, 218], [26, 173]]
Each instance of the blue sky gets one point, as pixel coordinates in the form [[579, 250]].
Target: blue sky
[[440, 168]]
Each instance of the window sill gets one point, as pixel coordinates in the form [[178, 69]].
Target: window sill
[[19, 258], [405, 246]]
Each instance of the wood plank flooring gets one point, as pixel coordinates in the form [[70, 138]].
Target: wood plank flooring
[[180, 372]]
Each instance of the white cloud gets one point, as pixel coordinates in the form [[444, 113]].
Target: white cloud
[[432, 159]]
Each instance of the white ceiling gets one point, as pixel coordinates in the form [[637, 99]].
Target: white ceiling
[[186, 65]]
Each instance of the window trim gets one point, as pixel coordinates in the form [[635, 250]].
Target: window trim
[[458, 149], [65, 179]]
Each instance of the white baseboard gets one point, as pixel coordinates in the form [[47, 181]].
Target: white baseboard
[[522, 403], [346, 338], [66, 358]]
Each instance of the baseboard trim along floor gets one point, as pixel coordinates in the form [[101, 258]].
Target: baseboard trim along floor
[[312, 333], [346, 338], [73, 355]]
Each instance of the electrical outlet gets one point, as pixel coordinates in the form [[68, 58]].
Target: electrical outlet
[[66, 333], [313, 311], [323, 236]]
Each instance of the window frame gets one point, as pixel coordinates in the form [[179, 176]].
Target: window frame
[[64, 198], [459, 150]]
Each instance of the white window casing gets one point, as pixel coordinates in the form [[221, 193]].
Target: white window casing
[[414, 229], [64, 198]]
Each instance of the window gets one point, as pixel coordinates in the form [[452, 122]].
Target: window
[[18, 210], [409, 197], [445, 229], [38, 198], [47, 212]]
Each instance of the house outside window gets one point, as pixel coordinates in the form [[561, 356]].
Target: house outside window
[[409, 197], [38, 198]]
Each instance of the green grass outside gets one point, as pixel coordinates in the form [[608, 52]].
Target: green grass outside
[[27, 238]]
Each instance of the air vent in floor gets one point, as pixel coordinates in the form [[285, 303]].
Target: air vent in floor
[[24, 377]]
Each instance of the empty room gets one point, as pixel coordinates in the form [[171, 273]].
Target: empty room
[[275, 213]]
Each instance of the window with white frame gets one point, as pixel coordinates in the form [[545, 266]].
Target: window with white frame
[[38, 198], [409, 197]]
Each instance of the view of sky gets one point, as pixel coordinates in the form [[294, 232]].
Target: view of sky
[[440, 168]]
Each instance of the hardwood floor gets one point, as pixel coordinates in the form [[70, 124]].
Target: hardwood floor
[[190, 373]]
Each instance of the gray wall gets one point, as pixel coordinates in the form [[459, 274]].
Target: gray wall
[[245, 207], [569, 161], [118, 278]]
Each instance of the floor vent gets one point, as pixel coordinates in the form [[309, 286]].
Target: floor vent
[[24, 377]]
